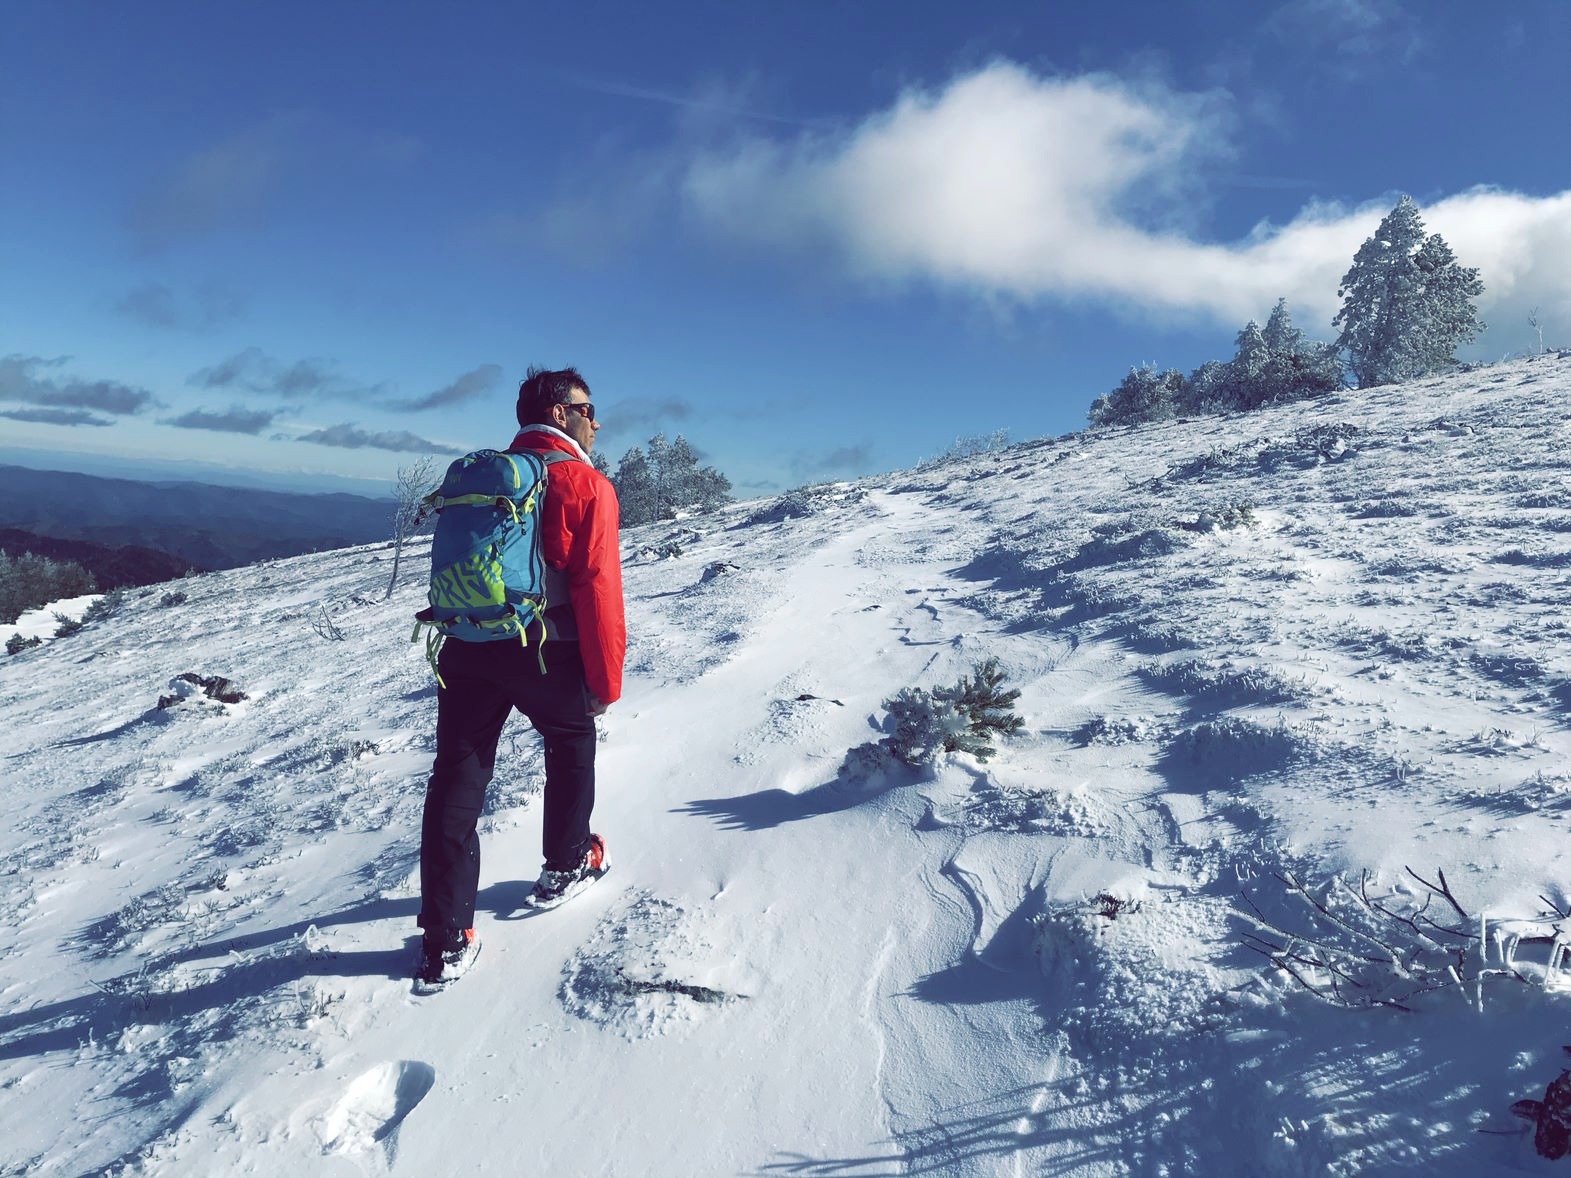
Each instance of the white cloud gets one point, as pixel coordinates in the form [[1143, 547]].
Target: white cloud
[[1009, 184], [984, 183], [349, 436], [1356, 33], [1522, 248]]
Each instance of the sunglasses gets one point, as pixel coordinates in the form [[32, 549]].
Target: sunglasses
[[585, 409]]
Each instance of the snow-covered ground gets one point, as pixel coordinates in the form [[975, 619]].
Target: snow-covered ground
[[1307, 643], [41, 623]]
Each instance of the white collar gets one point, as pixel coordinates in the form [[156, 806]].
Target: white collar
[[555, 433]]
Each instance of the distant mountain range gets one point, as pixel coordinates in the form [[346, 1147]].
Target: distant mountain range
[[198, 525]]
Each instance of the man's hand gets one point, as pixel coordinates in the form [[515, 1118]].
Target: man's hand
[[596, 708]]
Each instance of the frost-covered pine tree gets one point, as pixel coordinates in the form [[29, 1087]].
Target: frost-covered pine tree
[[635, 489], [31, 580], [1280, 336], [1144, 395], [666, 480], [1406, 304], [1246, 379], [711, 489], [1204, 389], [1297, 367], [679, 475], [1449, 292]]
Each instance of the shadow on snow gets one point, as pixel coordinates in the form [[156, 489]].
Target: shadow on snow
[[134, 999], [775, 807]]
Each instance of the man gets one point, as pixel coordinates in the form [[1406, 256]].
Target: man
[[561, 686]]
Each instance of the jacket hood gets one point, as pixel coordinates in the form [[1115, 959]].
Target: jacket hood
[[552, 435]]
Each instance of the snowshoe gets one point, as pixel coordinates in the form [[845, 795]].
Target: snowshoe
[[444, 959], [555, 888]]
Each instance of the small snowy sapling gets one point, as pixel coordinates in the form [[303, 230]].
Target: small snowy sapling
[[960, 718], [409, 514]]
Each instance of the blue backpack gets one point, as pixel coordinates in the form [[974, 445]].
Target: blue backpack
[[488, 577]]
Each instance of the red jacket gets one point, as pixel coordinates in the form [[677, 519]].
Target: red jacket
[[578, 531]]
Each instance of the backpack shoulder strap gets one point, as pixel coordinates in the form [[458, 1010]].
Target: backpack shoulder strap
[[552, 457]]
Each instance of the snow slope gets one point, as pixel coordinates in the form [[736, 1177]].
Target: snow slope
[[1319, 639]]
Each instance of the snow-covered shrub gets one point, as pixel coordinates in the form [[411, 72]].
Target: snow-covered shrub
[[970, 447], [1209, 678], [1384, 509], [803, 501], [239, 837], [960, 718], [105, 606], [1543, 791], [1312, 446], [1116, 730], [169, 600], [1125, 994], [65, 625], [1111, 907], [1152, 633], [120, 929], [794, 504], [1354, 948], [1543, 499], [1073, 812], [16, 644], [1541, 560], [1113, 548], [1406, 645], [1143, 395], [1514, 670], [1220, 461], [1085, 601]]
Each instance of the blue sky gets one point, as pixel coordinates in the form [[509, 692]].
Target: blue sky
[[821, 240]]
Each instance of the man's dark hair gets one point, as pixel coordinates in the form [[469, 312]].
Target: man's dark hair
[[544, 387]]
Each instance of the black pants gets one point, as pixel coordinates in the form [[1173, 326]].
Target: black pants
[[485, 682]]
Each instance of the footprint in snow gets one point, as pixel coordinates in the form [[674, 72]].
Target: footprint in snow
[[374, 1106], [644, 971]]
